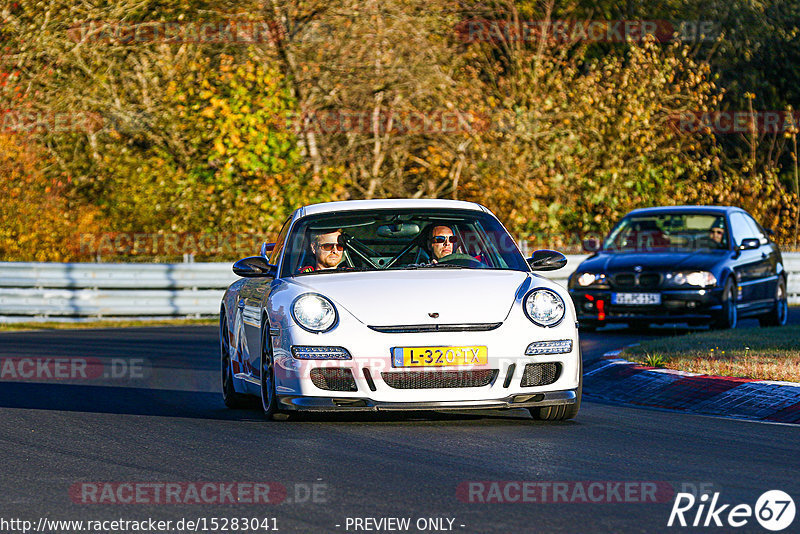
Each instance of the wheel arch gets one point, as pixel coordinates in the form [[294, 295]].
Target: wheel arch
[[727, 274]]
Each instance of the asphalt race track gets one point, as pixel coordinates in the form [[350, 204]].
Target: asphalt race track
[[152, 414]]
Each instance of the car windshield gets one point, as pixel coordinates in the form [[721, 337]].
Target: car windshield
[[669, 232], [399, 239]]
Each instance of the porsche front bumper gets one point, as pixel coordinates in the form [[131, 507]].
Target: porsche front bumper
[[326, 404]]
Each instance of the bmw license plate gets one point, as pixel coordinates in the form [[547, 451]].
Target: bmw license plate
[[637, 299], [438, 356]]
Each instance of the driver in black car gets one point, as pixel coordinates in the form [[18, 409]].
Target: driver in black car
[[716, 235]]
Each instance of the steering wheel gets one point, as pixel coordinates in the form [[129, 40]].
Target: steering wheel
[[462, 260]]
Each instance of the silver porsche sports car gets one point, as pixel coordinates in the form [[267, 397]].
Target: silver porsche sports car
[[399, 305]]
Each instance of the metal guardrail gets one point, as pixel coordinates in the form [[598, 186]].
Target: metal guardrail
[[77, 291], [71, 291]]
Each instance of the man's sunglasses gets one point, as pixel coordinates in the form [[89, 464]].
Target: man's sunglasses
[[442, 239], [328, 247]]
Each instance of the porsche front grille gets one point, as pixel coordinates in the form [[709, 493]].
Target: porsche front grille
[[333, 379], [540, 374], [439, 379], [417, 328]]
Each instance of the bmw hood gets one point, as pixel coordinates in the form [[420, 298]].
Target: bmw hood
[[393, 298], [652, 261]]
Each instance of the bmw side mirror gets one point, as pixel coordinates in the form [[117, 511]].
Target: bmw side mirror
[[749, 244], [254, 266], [547, 260], [591, 245]]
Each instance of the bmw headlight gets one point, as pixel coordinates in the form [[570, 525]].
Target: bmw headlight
[[694, 278], [544, 307], [314, 312], [587, 279]]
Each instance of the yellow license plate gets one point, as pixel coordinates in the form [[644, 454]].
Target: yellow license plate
[[438, 356]]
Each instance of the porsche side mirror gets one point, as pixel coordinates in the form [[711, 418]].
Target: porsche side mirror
[[254, 266], [547, 260], [749, 244], [591, 245]]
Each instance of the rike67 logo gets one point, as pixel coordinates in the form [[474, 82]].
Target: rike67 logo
[[774, 510]]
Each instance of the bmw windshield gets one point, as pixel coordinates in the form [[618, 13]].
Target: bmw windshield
[[669, 232], [399, 239]]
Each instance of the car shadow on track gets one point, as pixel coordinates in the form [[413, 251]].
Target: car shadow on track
[[416, 417], [209, 406], [114, 400]]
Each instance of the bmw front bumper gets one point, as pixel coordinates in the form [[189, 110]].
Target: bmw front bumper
[[677, 305]]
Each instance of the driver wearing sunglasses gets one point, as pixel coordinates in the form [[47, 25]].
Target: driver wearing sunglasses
[[443, 242], [328, 251]]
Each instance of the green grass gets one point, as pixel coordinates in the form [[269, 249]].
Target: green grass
[[106, 323], [760, 353]]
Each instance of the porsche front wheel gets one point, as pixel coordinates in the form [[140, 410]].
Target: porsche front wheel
[[562, 412], [269, 402]]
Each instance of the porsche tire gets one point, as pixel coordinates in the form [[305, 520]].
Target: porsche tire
[[561, 412], [269, 400], [231, 398]]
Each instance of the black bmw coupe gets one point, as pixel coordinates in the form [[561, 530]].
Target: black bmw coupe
[[682, 264]]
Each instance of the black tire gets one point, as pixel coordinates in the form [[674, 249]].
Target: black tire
[[728, 317], [231, 398], [561, 412], [269, 400], [780, 313]]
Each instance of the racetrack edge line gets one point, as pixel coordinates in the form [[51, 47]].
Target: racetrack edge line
[[616, 380]]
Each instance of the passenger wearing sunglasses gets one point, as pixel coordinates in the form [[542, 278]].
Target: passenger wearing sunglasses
[[327, 250]]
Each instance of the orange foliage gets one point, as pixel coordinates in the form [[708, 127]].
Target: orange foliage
[[37, 222]]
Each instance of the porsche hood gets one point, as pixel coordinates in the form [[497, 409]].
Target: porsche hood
[[430, 296]]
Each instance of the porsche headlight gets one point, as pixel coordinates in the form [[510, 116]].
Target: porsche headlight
[[314, 312], [544, 307], [587, 279]]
